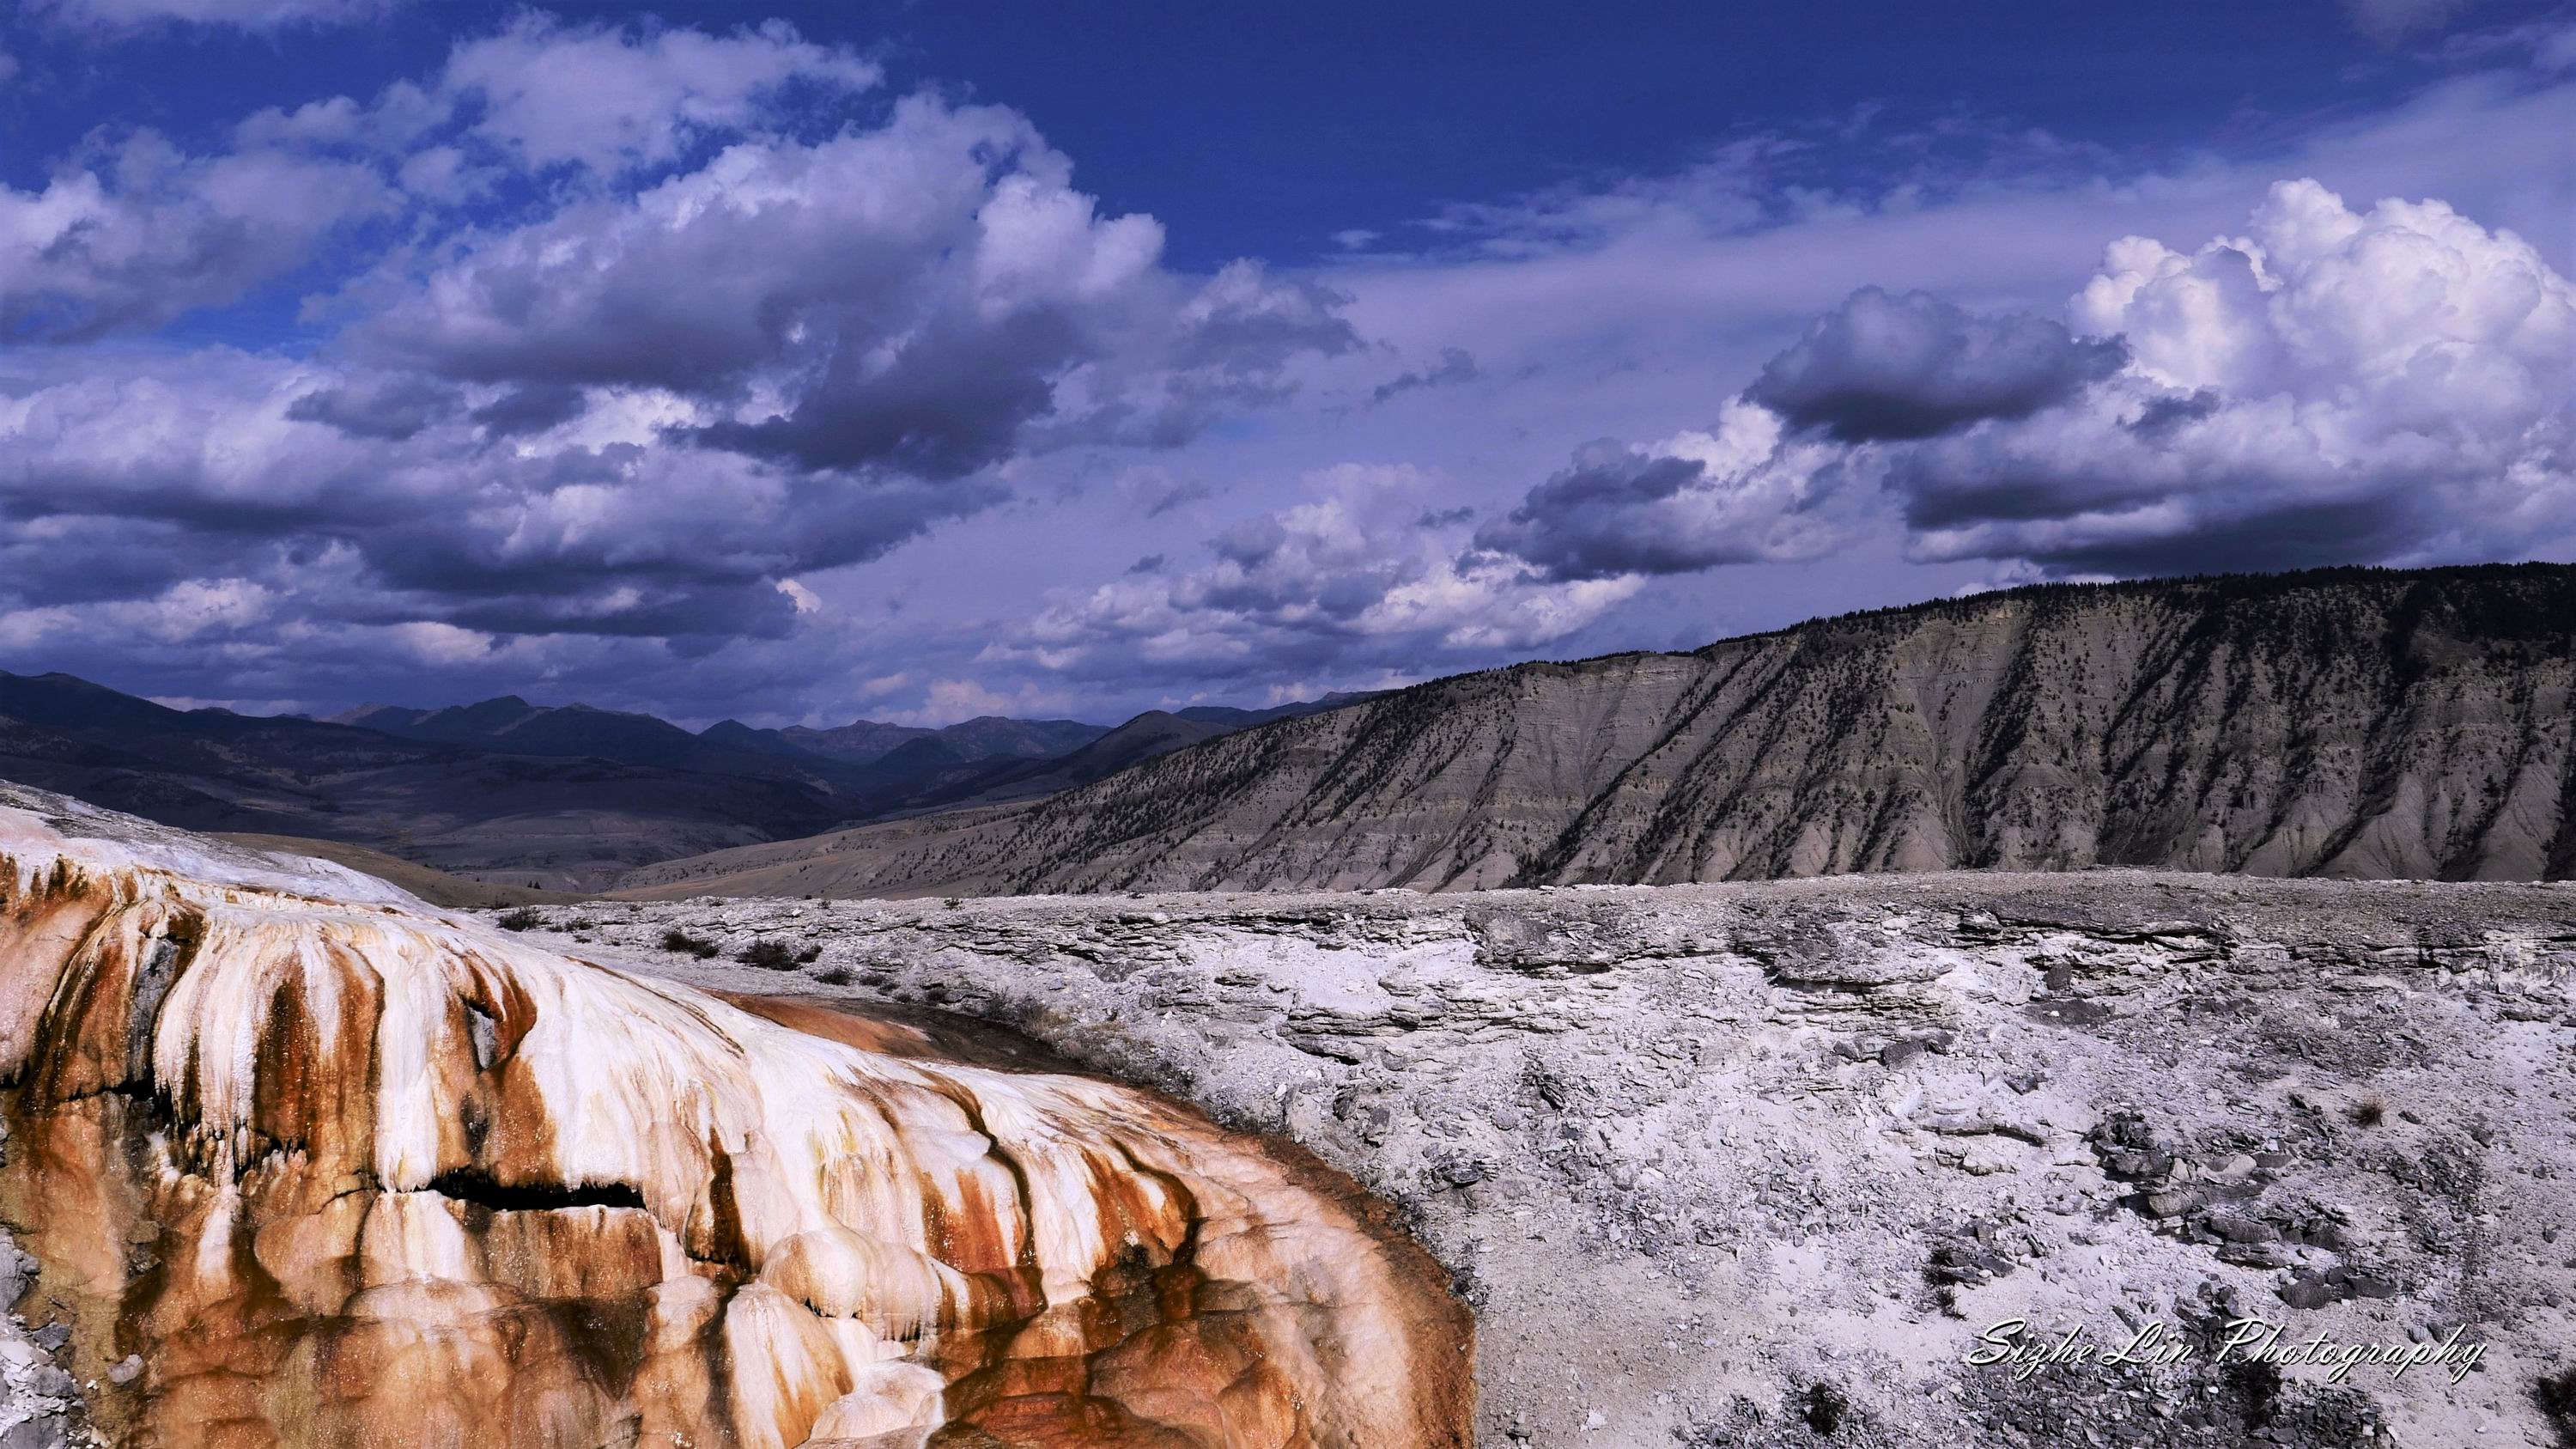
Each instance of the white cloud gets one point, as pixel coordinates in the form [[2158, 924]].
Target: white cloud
[[433, 643], [1744, 491], [606, 97], [1351, 583], [137, 232], [189, 611], [948, 701], [118, 16], [145, 233], [2334, 385]]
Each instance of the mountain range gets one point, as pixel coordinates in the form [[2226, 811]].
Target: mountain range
[[2343, 722], [567, 797]]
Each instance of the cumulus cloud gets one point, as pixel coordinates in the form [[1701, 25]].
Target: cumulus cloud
[[143, 232], [361, 500], [454, 487], [132, 234], [1748, 490], [707, 335], [604, 97], [914, 298], [2333, 386]]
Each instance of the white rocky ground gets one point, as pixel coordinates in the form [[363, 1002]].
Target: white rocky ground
[[1757, 1164], [40, 1402]]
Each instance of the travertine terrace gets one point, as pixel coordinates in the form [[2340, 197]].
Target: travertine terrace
[[300, 1161]]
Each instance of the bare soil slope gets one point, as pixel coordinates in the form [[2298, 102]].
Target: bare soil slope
[[436, 887], [2341, 723]]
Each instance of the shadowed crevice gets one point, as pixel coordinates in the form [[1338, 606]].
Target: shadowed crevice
[[480, 1189]]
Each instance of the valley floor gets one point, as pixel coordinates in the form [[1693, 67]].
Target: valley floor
[[1759, 1164]]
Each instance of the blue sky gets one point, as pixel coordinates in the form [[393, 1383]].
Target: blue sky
[[808, 361], [1271, 129]]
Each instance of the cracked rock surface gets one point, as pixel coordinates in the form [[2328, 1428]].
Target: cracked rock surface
[[1758, 1164]]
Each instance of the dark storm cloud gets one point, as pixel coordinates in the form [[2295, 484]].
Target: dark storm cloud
[[1593, 520], [223, 468], [953, 403], [78, 561], [1741, 493], [532, 408], [2293, 534], [388, 409], [2162, 415], [1882, 367]]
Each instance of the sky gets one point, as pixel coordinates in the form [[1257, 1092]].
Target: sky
[[803, 362]]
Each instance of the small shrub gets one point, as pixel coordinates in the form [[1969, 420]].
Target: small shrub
[[834, 976], [2256, 1383], [768, 955], [681, 941], [953, 902], [2368, 1112], [809, 955], [581, 923], [2556, 1396], [1823, 1407], [522, 919]]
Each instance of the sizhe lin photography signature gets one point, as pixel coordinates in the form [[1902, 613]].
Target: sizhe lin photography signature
[[2012, 1343]]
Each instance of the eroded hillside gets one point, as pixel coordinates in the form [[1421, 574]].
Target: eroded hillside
[[2342, 723]]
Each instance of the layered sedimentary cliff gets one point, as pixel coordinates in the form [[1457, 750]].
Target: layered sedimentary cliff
[[302, 1162], [2348, 723]]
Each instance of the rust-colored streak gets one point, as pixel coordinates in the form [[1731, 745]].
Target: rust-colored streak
[[363, 1175], [884, 1038]]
